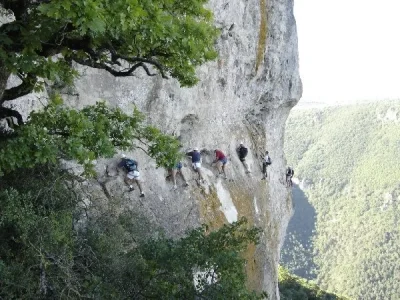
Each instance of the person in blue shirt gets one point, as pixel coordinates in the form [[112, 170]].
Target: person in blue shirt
[[196, 162], [177, 169]]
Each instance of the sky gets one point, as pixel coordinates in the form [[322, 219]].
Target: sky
[[349, 50]]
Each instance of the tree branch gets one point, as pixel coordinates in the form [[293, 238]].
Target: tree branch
[[93, 59], [8, 112], [111, 70], [60, 41], [23, 89], [145, 60]]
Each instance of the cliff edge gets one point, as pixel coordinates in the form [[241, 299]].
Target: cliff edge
[[244, 95]]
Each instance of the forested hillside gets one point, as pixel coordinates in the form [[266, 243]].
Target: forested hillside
[[348, 161], [292, 287]]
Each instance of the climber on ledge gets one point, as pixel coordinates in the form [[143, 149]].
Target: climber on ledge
[[242, 151], [196, 162], [266, 163], [289, 176], [132, 173], [220, 160], [177, 169]]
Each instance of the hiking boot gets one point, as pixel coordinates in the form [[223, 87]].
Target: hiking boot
[[131, 188], [142, 195]]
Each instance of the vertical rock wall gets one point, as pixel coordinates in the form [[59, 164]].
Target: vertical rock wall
[[245, 95]]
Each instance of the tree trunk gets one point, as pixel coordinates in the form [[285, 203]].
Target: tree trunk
[[4, 111], [4, 74]]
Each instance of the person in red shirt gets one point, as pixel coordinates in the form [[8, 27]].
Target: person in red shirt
[[221, 161]]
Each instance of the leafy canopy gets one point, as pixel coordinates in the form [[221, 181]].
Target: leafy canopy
[[169, 37], [44, 39], [83, 135]]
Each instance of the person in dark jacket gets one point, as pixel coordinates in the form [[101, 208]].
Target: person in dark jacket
[[196, 162], [242, 151], [289, 176]]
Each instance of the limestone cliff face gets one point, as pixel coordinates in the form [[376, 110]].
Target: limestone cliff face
[[245, 95]]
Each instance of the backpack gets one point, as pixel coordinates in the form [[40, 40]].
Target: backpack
[[289, 172], [130, 165], [243, 152]]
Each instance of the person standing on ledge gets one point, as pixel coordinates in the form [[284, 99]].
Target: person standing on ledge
[[242, 151], [130, 166], [266, 163], [177, 169]]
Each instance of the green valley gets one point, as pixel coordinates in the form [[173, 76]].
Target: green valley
[[347, 161]]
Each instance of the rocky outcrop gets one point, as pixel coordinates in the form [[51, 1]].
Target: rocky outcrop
[[245, 95]]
